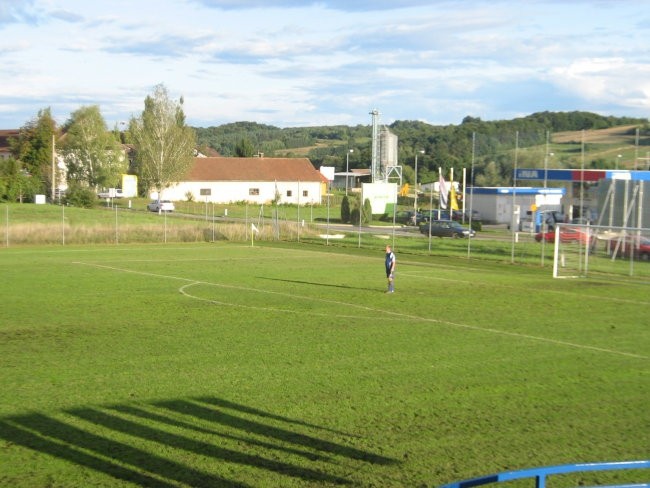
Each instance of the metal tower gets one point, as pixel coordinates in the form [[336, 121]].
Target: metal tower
[[375, 166]]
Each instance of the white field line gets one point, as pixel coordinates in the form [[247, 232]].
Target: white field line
[[512, 287], [191, 282], [183, 290], [454, 280]]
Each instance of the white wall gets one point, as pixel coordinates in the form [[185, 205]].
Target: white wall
[[239, 191], [379, 194], [497, 208]]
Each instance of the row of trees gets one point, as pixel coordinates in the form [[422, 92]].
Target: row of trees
[[449, 146], [94, 156], [163, 146]]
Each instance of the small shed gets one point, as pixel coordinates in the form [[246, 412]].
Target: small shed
[[497, 204]]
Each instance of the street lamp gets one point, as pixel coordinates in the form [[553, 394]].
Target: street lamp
[[347, 169], [618, 158], [416, 184]]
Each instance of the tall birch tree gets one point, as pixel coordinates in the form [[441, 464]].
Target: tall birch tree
[[164, 144], [92, 154]]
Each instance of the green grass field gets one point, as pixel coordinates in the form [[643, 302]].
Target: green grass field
[[216, 364]]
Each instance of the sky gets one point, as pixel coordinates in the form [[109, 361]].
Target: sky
[[291, 63]]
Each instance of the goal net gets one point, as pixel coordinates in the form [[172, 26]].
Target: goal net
[[590, 250]]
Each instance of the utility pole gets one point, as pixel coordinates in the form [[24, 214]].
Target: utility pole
[[53, 167]]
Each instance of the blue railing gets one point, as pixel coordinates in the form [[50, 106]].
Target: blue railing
[[540, 474]]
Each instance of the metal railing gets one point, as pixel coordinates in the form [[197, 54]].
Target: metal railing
[[540, 474]]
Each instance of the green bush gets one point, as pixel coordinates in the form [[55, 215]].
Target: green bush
[[345, 210], [355, 216], [79, 196], [366, 214]]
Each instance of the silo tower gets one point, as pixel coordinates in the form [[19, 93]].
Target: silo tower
[[387, 151]]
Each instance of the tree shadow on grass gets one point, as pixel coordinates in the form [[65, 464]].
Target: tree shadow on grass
[[166, 443]]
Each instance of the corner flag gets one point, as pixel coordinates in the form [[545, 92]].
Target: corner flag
[[254, 229]]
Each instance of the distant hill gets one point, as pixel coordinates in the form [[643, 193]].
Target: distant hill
[[489, 144]]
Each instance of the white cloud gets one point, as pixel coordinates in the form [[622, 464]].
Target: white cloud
[[288, 62], [607, 81]]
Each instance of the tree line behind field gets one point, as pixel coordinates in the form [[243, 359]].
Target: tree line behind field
[[491, 144], [162, 148]]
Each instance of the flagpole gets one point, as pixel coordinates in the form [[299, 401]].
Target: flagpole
[[451, 186], [439, 190], [471, 192], [464, 187], [430, 212]]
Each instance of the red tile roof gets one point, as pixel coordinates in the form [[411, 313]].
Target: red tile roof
[[254, 169], [6, 134]]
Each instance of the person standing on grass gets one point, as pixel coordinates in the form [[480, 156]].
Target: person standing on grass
[[390, 269]]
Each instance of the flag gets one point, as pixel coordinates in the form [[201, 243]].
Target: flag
[[453, 202], [442, 188], [254, 229]]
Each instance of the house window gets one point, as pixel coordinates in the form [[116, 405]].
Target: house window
[[289, 193], [254, 191], [305, 193]]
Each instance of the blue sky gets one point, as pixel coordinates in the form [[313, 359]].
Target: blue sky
[[295, 63]]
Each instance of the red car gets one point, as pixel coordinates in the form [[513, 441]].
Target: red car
[[567, 234], [641, 248]]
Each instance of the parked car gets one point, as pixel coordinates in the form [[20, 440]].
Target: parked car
[[161, 206], [553, 217], [458, 215], [581, 221], [640, 246], [405, 217], [642, 249], [446, 228], [567, 234], [437, 214]]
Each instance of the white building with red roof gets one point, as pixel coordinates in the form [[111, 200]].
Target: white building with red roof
[[255, 180]]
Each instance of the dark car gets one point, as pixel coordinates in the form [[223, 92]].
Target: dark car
[[404, 217], [408, 217], [552, 218], [446, 228], [460, 216]]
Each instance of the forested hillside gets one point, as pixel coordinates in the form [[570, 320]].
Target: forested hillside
[[491, 146]]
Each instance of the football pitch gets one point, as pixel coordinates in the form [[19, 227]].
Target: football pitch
[[286, 365]]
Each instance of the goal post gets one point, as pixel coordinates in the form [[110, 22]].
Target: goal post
[[571, 249], [582, 250]]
